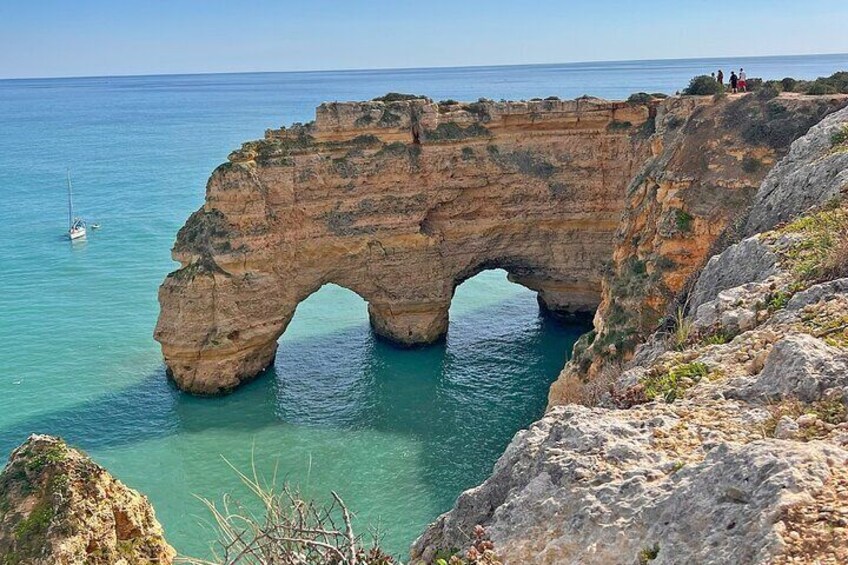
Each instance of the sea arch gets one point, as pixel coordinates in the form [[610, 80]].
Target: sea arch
[[533, 188]]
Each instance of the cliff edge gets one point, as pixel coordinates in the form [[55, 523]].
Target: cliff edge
[[58, 507]]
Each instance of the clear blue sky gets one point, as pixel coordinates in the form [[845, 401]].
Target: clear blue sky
[[106, 37]]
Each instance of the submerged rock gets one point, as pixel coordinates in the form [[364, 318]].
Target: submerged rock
[[58, 507]]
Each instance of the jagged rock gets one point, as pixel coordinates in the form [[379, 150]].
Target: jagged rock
[[786, 428], [817, 293], [748, 261], [58, 507], [811, 174], [602, 486], [799, 366], [682, 207]]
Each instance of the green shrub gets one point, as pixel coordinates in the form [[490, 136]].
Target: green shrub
[[819, 89], [684, 220], [767, 92], [703, 85], [670, 385], [552, 98], [640, 98], [788, 84], [398, 97], [840, 137]]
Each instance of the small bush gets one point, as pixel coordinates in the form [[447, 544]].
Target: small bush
[[640, 98], [398, 97], [788, 84], [751, 164], [840, 137], [670, 385], [683, 220], [682, 329], [703, 85], [552, 98], [719, 337], [820, 89], [821, 253], [768, 92]]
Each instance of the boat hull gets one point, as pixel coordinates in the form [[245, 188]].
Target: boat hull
[[76, 234]]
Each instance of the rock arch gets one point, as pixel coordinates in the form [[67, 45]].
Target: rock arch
[[535, 188]]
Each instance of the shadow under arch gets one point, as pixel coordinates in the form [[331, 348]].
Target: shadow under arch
[[463, 398]]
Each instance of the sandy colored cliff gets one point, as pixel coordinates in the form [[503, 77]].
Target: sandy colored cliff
[[399, 202]]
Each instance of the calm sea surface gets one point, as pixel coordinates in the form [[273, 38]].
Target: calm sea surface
[[397, 433]]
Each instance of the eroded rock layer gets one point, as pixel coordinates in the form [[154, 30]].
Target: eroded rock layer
[[687, 202], [58, 507], [399, 202]]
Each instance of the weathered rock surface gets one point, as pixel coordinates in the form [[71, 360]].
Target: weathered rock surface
[[57, 507], [813, 173], [683, 206], [597, 486], [535, 188], [725, 440]]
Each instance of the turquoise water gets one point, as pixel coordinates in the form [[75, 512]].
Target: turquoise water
[[397, 433]]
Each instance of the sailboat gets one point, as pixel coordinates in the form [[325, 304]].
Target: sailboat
[[76, 226]]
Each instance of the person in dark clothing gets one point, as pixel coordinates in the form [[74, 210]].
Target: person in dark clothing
[[734, 82], [720, 77]]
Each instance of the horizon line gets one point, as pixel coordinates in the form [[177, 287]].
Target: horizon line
[[434, 67]]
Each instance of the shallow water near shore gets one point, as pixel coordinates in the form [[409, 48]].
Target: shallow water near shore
[[397, 433]]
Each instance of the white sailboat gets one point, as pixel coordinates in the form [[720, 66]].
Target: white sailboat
[[76, 226]]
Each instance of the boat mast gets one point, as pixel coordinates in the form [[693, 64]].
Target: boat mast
[[70, 202]]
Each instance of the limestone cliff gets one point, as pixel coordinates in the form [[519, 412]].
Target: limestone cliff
[[402, 201], [685, 203], [57, 507], [399, 202], [725, 439]]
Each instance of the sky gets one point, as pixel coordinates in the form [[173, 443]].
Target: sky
[[45, 38]]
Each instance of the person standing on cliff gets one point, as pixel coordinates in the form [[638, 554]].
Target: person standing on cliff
[[743, 81], [734, 82], [720, 77]]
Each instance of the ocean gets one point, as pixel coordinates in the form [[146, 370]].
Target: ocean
[[398, 434]]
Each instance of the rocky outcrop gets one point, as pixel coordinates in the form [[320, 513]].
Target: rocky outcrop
[[399, 202], [58, 507], [815, 171], [689, 202], [724, 439], [402, 201]]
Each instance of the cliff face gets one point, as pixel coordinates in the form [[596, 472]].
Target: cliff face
[[535, 188], [724, 440], [685, 203], [57, 507]]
